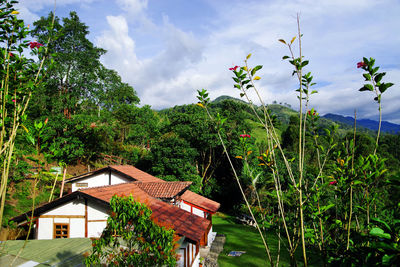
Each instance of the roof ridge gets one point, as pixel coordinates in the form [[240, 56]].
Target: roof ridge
[[108, 185]]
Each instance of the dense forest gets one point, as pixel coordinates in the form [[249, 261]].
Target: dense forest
[[83, 114]]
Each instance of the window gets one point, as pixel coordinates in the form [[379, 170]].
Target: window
[[61, 230]]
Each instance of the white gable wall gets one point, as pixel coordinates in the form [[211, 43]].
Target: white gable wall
[[73, 213], [100, 179], [97, 219]]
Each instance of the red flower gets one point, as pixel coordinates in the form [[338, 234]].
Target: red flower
[[234, 68], [245, 136], [333, 182], [35, 44], [361, 64], [46, 121], [13, 100], [11, 54]]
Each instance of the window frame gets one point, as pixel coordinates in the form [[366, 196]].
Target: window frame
[[59, 236]]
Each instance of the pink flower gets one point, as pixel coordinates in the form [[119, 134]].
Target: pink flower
[[35, 44], [234, 68], [245, 136], [333, 182], [361, 64], [13, 100]]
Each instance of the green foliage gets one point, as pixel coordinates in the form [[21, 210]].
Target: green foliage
[[19, 78], [133, 238]]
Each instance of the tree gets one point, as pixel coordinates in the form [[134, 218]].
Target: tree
[[79, 94], [133, 238]]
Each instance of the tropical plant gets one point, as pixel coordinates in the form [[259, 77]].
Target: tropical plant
[[133, 238]]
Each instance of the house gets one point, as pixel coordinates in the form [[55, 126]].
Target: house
[[84, 211]]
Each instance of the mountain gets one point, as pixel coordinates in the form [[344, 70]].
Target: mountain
[[226, 97], [386, 126]]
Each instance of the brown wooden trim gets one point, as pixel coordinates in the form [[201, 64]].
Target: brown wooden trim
[[184, 257], [192, 250], [188, 254], [97, 220], [86, 217], [63, 216], [37, 228]]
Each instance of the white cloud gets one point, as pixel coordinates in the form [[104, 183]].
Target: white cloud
[[121, 48], [133, 7]]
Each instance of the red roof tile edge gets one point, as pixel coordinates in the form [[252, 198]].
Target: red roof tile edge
[[185, 223]]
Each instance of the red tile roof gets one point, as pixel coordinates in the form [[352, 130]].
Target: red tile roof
[[189, 225], [135, 173], [163, 189], [200, 201]]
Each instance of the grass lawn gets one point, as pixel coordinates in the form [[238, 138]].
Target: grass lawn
[[246, 238]]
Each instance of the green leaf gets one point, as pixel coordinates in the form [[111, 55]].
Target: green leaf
[[30, 139], [382, 222], [256, 68], [379, 76], [367, 87], [285, 57], [386, 259], [304, 63], [378, 232], [367, 76], [382, 87]]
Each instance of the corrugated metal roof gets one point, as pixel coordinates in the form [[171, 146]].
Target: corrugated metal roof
[[55, 252]]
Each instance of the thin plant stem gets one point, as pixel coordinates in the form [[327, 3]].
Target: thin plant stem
[[241, 190], [351, 184]]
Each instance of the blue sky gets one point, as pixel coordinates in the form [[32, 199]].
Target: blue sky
[[167, 49]]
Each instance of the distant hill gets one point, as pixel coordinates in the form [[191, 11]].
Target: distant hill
[[387, 127], [226, 97]]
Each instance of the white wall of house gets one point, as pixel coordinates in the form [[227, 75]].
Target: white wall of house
[[191, 209], [45, 230], [184, 206], [73, 214], [187, 252], [100, 179], [97, 219], [198, 212]]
